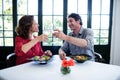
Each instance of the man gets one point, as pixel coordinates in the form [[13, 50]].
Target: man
[[79, 41]]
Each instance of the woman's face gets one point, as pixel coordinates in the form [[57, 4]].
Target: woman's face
[[34, 27]]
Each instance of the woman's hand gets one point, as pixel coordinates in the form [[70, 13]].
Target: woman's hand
[[48, 52], [42, 37]]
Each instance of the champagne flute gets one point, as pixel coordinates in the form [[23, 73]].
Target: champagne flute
[[48, 31]]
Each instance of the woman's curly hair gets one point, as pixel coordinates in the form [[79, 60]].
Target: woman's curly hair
[[25, 23]]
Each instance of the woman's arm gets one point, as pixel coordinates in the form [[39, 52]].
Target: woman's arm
[[26, 47]]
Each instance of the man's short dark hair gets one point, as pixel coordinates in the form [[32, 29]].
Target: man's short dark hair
[[76, 17]]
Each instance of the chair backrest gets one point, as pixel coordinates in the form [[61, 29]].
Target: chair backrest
[[11, 60], [98, 57]]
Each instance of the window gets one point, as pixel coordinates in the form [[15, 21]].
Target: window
[[100, 17], [52, 19], [80, 7], [100, 21], [6, 23], [25, 7]]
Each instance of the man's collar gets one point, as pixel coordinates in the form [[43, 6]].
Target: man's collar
[[80, 32]]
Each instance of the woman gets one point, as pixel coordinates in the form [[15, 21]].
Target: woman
[[26, 44]]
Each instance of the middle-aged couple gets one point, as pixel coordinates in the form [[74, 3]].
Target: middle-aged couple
[[79, 40]]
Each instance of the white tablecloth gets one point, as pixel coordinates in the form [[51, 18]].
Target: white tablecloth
[[88, 70]]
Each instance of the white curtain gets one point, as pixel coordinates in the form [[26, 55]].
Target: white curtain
[[115, 42]]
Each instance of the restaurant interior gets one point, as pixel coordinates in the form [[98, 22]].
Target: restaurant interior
[[102, 16]]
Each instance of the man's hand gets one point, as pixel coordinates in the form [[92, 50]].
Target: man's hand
[[62, 56], [59, 34]]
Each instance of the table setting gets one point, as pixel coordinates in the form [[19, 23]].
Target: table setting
[[52, 70]]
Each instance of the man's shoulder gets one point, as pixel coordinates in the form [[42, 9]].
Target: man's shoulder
[[87, 30]]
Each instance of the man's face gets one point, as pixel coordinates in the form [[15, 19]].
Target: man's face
[[73, 24]]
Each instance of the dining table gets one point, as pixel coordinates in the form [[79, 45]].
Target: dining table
[[88, 70]]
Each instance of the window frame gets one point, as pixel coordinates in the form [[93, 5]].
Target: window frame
[[14, 2]]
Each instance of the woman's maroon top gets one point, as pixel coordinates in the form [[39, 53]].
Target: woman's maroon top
[[22, 57]]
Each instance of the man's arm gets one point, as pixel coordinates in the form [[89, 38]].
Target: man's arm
[[76, 41]]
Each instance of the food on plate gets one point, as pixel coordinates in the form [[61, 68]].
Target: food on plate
[[36, 58], [80, 57], [42, 58]]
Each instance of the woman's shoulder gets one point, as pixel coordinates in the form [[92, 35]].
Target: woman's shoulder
[[19, 38]]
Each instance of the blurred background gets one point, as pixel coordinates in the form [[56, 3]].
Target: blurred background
[[52, 14]]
